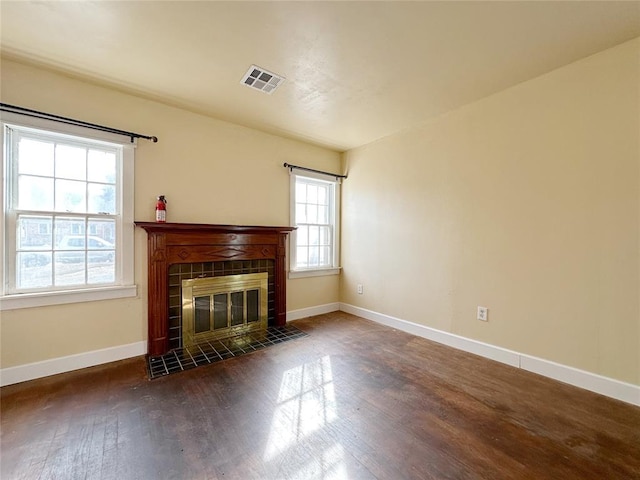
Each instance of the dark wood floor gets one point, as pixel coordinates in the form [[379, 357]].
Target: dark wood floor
[[353, 400]]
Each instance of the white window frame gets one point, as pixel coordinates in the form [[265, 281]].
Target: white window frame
[[334, 269], [124, 285]]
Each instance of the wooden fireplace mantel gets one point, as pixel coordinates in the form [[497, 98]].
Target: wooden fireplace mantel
[[172, 243]]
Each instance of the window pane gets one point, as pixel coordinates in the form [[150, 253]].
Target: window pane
[[98, 245], [71, 196], [312, 194], [313, 256], [102, 198], [325, 236], [70, 268], [314, 235], [303, 235], [301, 213], [33, 270], [312, 213], [35, 193], [34, 233], [104, 230], [301, 192], [71, 162], [101, 166], [323, 215], [35, 157], [324, 256], [69, 233], [101, 267], [323, 195], [301, 256]]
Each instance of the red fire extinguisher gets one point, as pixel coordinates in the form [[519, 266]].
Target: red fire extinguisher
[[161, 209]]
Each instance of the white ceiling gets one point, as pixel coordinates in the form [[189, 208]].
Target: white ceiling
[[355, 71]]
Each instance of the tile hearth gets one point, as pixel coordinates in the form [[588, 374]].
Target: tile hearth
[[182, 359]]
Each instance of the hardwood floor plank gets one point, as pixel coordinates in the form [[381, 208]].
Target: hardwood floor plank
[[353, 400]]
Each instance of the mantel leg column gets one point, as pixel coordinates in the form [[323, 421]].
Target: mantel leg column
[[158, 295], [281, 282]]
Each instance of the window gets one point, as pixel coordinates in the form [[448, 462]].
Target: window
[[315, 203], [67, 216]]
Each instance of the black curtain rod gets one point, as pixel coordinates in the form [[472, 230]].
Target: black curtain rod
[[291, 167], [70, 121]]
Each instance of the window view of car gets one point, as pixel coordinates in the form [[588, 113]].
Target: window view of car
[[33, 259], [71, 249]]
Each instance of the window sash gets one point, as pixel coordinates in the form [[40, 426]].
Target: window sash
[[56, 176], [67, 258]]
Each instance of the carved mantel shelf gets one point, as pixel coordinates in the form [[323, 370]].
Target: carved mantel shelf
[[173, 243]]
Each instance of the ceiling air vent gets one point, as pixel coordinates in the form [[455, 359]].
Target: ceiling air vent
[[261, 79]]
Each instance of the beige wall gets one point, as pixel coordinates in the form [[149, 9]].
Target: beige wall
[[211, 172], [526, 202]]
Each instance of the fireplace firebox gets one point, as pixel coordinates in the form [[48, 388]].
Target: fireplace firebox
[[173, 245]]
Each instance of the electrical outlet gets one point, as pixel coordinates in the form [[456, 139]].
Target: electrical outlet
[[360, 289], [483, 314]]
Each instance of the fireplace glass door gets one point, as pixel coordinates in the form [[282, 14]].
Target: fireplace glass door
[[220, 307]]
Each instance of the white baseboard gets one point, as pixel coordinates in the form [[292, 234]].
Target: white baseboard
[[45, 368], [311, 311], [593, 382], [31, 371], [609, 387], [499, 354]]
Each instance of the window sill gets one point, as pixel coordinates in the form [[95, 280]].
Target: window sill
[[42, 299], [314, 273]]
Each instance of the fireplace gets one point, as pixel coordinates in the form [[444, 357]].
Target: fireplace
[[179, 252]]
